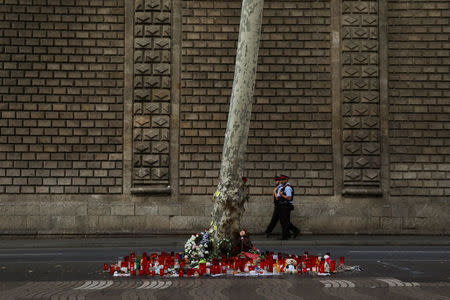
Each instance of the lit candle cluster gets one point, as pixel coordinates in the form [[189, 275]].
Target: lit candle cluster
[[177, 265]]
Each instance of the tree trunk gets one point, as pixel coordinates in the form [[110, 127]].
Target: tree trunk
[[232, 192]]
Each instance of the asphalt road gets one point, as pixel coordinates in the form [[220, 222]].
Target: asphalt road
[[387, 272]]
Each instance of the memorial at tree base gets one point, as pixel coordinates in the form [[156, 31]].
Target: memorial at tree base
[[169, 265]]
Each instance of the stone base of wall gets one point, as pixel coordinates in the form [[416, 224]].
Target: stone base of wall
[[156, 215]]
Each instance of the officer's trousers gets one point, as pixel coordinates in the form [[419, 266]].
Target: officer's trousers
[[274, 220], [285, 220]]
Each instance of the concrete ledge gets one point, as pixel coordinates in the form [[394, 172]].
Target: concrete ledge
[[152, 190], [371, 192]]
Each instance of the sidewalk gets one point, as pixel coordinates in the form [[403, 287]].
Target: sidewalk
[[10, 242]]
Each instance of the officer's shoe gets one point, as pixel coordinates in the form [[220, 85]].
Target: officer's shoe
[[296, 233]]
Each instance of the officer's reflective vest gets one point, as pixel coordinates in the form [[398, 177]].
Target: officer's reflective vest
[[284, 200]]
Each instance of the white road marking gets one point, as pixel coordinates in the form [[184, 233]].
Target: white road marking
[[168, 284], [400, 283], [151, 285], [144, 285], [159, 285], [326, 283], [349, 283], [341, 283], [155, 285], [106, 284], [392, 282], [95, 285], [334, 283], [338, 284], [86, 284]]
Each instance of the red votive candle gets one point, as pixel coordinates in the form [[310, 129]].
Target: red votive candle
[[333, 266], [322, 267]]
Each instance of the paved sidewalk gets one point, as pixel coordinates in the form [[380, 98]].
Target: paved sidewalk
[[12, 242]]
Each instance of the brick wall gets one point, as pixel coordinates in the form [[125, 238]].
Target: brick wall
[[61, 96], [419, 93], [291, 117], [96, 94]]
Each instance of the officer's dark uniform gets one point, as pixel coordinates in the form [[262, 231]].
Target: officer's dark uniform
[[276, 210], [285, 207]]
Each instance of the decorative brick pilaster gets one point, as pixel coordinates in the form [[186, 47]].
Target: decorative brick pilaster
[[152, 93], [360, 97]]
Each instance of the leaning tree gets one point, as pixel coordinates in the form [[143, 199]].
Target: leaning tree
[[232, 191]]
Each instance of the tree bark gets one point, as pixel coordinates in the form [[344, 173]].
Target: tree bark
[[232, 192]]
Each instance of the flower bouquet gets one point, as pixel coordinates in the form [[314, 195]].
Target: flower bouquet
[[198, 247]]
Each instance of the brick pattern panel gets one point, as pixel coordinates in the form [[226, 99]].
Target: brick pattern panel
[[61, 86], [291, 116], [419, 93], [360, 84], [151, 105]]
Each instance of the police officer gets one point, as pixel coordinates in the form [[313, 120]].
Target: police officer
[[286, 204], [276, 208]]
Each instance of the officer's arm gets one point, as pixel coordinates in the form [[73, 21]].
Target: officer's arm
[[286, 197], [287, 194]]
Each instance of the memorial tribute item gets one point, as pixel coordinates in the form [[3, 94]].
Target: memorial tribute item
[[201, 258]]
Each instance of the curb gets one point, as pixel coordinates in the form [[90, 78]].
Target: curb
[[259, 241]]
